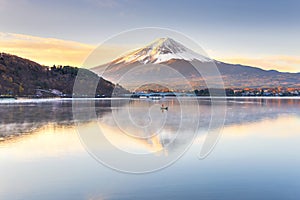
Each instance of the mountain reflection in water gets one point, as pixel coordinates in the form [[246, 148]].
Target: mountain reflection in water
[[26, 117]]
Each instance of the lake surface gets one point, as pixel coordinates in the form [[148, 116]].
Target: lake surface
[[44, 155]]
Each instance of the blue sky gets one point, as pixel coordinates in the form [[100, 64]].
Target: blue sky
[[232, 30]]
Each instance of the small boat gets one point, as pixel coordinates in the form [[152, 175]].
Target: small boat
[[164, 107]]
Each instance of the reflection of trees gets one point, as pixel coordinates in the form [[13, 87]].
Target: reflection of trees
[[22, 118]]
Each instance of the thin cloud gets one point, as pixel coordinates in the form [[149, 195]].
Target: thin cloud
[[47, 51], [50, 51], [283, 63]]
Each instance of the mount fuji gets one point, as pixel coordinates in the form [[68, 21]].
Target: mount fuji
[[168, 52], [160, 51]]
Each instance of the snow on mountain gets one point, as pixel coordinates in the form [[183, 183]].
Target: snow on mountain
[[161, 50]]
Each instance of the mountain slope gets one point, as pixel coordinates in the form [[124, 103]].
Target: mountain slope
[[22, 77], [166, 51]]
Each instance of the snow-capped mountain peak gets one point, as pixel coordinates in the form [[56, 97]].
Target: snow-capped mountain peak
[[161, 50]]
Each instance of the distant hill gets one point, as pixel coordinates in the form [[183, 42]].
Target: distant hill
[[247, 76], [22, 77]]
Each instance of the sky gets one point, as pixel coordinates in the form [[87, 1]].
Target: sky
[[259, 33]]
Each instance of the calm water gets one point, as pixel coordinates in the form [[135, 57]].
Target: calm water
[[256, 157]]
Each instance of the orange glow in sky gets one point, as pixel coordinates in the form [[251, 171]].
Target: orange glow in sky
[[50, 51]]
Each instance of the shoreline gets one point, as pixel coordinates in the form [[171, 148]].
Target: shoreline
[[32, 100]]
